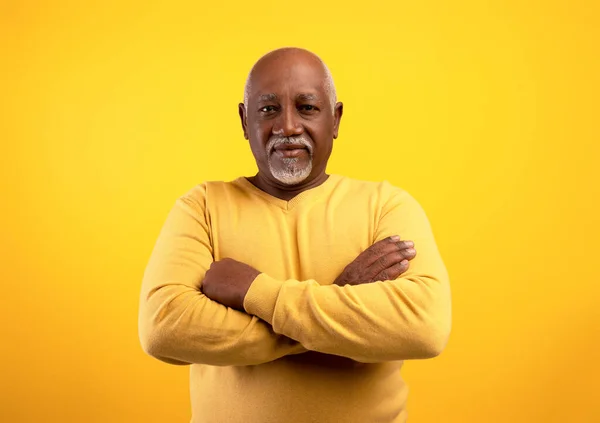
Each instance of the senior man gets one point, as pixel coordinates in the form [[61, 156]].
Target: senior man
[[295, 295]]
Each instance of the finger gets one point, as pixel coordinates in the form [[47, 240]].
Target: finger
[[392, 272], [383, 263], [382, 248], [389, 260], [409, 253], [403, 245], [375, 251]]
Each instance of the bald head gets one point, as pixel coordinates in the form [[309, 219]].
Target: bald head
[[280, 59], [290, 116]]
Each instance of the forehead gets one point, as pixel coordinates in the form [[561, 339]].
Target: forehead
[[287, 79]]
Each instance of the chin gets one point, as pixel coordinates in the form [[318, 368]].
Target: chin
[[290, 180], [291, 176]]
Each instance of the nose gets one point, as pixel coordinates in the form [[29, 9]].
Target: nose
[[287, 123]]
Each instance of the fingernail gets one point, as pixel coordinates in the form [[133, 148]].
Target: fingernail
[[410, 251], [404, 262], [410, 243], [395, 238]]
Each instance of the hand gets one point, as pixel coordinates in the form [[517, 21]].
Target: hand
[[227, 281], [385, 260], [327, 362]]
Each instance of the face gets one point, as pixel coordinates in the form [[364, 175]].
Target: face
[[289, 120]]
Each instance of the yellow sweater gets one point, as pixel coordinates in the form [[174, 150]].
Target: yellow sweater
[[305, 350]]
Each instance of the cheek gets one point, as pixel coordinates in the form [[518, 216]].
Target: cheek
[[258, 142], [323, 140], [322, 128], [321, 134], [260, 133], [258, 150], [325, 153]]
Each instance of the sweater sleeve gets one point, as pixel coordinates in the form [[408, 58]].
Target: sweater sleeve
[[407, 318], [180, 325]]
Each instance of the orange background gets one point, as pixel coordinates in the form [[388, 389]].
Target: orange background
[[487, 112]]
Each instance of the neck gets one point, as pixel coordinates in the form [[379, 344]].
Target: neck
[[285, 192]]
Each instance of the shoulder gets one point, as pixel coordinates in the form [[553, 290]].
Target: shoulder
[[380, 197], [199, 194], [383, 191]]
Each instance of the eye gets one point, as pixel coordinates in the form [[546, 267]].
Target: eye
[[267, 109], [307, 108]]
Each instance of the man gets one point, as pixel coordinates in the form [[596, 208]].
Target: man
[[290, 293]]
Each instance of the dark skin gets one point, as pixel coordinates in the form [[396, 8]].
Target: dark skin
[[227, 281], [288, 97]]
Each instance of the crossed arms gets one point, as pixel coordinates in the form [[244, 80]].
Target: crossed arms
[[369, 320]]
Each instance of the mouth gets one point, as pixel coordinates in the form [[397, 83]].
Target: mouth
[[289, 147], [290, 150]]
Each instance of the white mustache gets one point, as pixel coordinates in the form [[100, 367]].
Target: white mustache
[[277, 141]]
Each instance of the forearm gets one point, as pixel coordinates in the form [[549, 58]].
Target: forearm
[[179, 325], [405, 318], [382, 321]]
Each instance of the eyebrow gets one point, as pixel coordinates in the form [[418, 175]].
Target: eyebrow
[[267, 97], [307, 97], [273, 97]]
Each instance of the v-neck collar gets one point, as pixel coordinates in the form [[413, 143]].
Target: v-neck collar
[[303, 197]]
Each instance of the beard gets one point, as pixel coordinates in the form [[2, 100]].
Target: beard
[[289, 170]]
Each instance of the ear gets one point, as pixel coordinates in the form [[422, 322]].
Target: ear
[[243, 115], [337, 117]]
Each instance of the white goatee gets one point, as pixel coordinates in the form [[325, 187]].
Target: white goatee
[[292, 172]]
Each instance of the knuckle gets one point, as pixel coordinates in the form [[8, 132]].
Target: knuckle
[[398, 257], [392, 275], [397, 271], [388, 248]]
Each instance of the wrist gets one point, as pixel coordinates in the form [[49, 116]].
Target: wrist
[[251, 275]]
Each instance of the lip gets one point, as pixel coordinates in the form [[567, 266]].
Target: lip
[[290, 147], [290, 152]]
